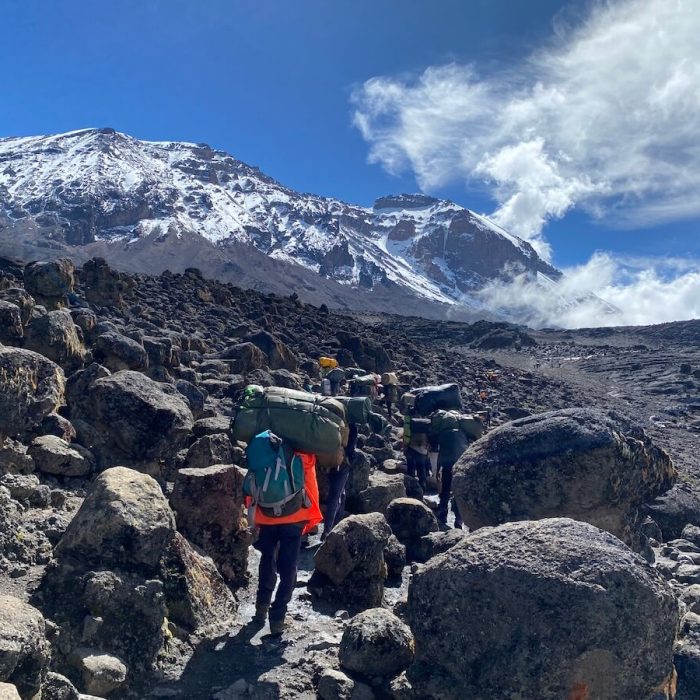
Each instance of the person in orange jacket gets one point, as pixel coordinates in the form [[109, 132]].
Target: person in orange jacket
[[279, 543]]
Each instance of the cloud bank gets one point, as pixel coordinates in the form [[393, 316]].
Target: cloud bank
[[606, 117], [604, 292]]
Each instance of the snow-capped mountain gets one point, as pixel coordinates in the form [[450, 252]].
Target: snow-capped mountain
[[101, 188]]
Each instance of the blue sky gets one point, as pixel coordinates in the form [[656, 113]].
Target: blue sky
[[521, 110]]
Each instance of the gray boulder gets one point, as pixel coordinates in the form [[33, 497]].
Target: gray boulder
[[687, 657], [376, 644], [125, 521], [31, 387], [20, 298], [577, 463], [278, 354], [349, 565], [410, 520], [50, 282], [24, 650], [56, 336], [141, 418], [382, 490], [544, 609], [335, 685], [53, 455], [117, 352], [210, 450], [101, 673], [11, 328], [208, 503]]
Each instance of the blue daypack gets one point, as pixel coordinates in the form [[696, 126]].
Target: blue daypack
[[275, 477]]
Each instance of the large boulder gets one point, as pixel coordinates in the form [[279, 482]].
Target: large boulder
[[24, 650], [104, 286], [143, 419], [577, 463], [122, 573], [376, 644], [20, 298], [56, 336], [50, 282], [31, 387], [125, 521], [380, 492], [543, 609], [11, 328], [209, 450], [208, 503], [410, 520], [117, 351], [349, 565], [244, 357], [278, 354], [53, 455]]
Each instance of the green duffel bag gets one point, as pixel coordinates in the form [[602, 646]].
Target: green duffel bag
[[441, 421], [357, 408], [309, 422], [471, 426], [378, 423]]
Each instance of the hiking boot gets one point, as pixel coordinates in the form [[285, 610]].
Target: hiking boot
[[260, 616], [277, 627]]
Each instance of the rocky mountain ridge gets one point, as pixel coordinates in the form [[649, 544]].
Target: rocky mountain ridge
[[118, 196]]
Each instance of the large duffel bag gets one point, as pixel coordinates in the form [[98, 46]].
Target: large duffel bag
[[432, 398], [378, 423], [443, 421], [336, 375], [309, 422], [352, 372], [327, 362], [357, 408]]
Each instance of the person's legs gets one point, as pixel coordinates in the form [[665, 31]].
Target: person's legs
[[340, 510], [411, 462], [287, 559], [336, 485], [422, 469], [267, 573], [445, 488], [458, 517]]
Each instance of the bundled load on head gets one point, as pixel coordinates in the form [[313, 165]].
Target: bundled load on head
[[390, 379], [327, 363], [432, 398], [307, 422], [364, 385], [442, 421], [352, 372]]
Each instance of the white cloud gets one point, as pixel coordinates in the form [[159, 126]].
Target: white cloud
[[606, 117], [640, 292]]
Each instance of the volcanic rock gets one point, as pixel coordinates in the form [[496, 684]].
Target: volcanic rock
[[376, 644], [24, 650], [11, 329], [53, 455], [31, 387], [410, 520], [50, 282], [555, 608], [349, 565], [577, 463], [208, 503]]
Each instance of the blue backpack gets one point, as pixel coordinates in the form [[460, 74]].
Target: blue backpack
[[275, 477]]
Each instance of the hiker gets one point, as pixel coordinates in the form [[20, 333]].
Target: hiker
[[416, 448], [280, 526], [390, 389], [450, 445], [337, 481]]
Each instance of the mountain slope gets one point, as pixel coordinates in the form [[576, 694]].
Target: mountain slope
[[100, 188]]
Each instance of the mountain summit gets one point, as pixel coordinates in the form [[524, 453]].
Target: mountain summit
[[101, 190]]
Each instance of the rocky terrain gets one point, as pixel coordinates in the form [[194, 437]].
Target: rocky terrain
[[125, 561], [151, 206]]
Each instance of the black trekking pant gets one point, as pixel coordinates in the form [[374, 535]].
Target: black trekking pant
[[335, 503], [417, 465], [445, 492], [279, 546]]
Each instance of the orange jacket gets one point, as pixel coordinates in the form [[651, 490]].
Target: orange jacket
[[311, 515]]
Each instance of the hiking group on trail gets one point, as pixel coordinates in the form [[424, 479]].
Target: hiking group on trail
[[294, 435]]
